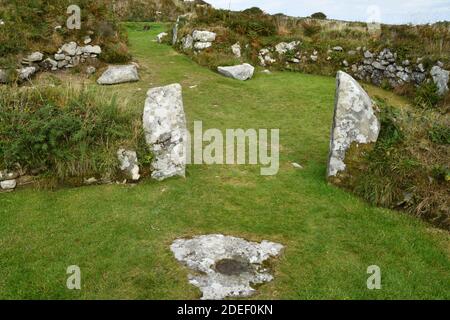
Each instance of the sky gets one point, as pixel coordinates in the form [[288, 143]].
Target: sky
[[385, 11]]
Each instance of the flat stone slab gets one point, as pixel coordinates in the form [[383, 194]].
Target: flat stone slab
[[225, 266], [240, 72], [119, 74]]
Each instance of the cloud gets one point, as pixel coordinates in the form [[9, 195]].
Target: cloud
[[391, 11]]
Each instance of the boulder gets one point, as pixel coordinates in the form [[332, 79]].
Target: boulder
[[70, 48], [35, 57], [91, 49], [202, 45], [164, 124], [8, 184], [236, 49], [354, 121], [26, 73], [440, 78], [161, 36], [119, 74], [239, 72], [129, 163], [204, 36]]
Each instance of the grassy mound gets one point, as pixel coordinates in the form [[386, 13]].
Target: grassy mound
[[30, 26], [65, 134], [409, 166]]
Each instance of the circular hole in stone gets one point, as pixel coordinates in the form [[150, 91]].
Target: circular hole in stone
[[232, 267]]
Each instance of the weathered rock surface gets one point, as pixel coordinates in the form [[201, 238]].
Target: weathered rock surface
[[188, 42], [240, 72], [35, 57], [26, 73], [354, 121], [204, 36], [440, 78], [284, 47], [225, 266], [8, 184], [129, 163], [202, 45], [165, 131], [119, 74]]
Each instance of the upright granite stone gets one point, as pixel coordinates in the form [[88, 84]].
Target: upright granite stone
[[240, 72], [119, 74], [354, 121], [440, 78], [165, 131]]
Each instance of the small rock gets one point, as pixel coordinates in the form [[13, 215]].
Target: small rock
[[26, 73], [129, 163], [87, 40], [90, 181], [119, 74], [160, 37], [296, 165], [240, 72], [35, 57], [8, 184], [236, 49], [338, 48], [91, 70], [69, 48]]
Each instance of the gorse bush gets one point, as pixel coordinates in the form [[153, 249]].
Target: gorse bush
[[68, 132]]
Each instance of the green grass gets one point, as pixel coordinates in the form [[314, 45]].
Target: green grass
[[120, 235]]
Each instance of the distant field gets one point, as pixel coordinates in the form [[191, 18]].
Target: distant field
[[120, 235]]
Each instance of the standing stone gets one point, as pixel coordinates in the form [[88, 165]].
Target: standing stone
[[119, 74], [354, 121], [165, 131], [240, 72], [440, 78], [129, 163]]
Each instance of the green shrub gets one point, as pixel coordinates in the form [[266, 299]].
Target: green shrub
[[319, 15], [70, 133], [439, 134], [427, 95]]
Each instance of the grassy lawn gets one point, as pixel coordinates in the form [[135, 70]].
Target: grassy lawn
[[120, 235]]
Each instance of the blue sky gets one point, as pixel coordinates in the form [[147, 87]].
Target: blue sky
[[386, 11]]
